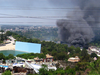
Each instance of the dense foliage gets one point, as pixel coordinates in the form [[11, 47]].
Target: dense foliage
[[49, 34], [2, 56], [62, 52], [2, 36], [31, 55], [59, 51], [7, 73]]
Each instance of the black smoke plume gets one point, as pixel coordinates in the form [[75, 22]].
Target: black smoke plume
[[77, 28]]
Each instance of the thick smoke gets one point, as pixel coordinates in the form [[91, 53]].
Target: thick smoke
[[77, 28], [91, 10]]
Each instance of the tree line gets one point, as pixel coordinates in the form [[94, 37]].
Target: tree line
[[2, 36], [60, 52]]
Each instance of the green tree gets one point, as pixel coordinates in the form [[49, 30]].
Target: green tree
[[97, 64], [84, 52], [92, 65], [43, 70], [62, 56], [82, 66], [77, 50], [35, 40], [94, 73], [71, 50], [10, 56], [70, 71], [2, 56], [8, 33], [6, 73], [2, 37], [94, 55]]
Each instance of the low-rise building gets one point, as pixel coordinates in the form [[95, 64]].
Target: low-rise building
[[49, 58], [38, 60], [94, 49], [74, 59]]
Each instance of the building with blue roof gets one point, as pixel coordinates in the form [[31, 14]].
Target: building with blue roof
[[28, 47]]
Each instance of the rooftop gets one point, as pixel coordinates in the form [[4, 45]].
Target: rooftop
[[48, 56], [28, 47]]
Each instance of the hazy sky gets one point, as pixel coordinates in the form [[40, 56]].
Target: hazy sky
[[33, 12]]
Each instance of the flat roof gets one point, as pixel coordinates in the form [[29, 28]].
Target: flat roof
[[28, 47]]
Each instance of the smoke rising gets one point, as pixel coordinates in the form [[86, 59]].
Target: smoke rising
[[77, 28]]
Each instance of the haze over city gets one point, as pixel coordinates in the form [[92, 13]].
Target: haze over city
[[31, 12]]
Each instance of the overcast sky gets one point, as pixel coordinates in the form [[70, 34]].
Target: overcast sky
[[33, 12]]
